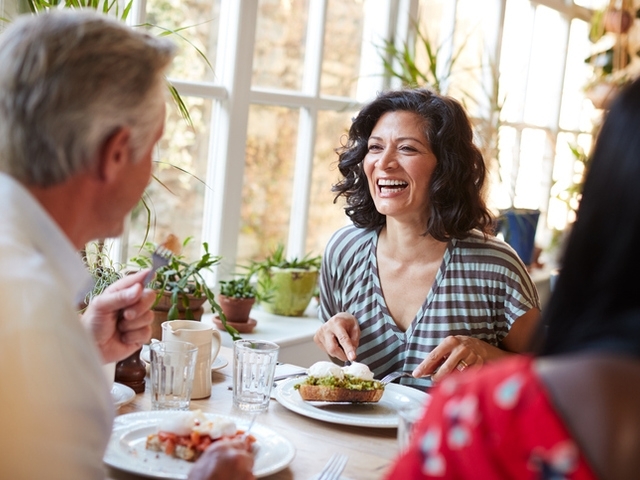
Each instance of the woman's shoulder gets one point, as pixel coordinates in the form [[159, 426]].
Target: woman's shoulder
[[487, 249]]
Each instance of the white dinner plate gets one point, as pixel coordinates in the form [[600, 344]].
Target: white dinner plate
[[121, 394], [218, 362], [126, 450], [382, 414]]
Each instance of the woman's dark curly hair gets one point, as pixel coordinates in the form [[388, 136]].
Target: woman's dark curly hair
[[456, 200]]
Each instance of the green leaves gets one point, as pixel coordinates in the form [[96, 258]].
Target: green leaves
[[183, 278], [277, 259], [237, 288]]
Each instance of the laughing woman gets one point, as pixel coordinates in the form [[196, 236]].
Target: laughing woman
[[418, 282]]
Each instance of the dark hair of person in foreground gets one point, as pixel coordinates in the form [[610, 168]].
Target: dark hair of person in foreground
[[595, 303]]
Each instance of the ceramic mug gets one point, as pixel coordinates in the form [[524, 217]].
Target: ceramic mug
[[207, 339]]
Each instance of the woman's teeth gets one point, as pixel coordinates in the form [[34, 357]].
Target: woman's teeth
[[392, 186]]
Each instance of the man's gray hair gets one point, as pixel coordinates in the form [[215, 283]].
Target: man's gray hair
[[69, 80]]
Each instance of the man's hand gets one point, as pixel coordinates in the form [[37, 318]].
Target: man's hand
[[339, 337], [228, 459], [120, 318]]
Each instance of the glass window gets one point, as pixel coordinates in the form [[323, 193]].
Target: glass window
[[325, 217], [174, 199], [279, 51], [546, 64], [268, 180], [342, 45], [198, 23], [576, 113]]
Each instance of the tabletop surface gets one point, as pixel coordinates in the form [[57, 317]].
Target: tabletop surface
[[370, 450]]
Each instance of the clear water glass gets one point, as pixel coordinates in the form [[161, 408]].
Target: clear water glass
[[172, 371], [254, 366]]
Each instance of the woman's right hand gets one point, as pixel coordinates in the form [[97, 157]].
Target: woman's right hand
[[228, 459], [339, 336]]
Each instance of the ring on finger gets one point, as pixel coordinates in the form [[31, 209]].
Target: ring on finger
[[462, 366]]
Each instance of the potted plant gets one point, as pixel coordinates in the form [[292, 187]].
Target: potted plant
[[285, 286], [182, 291], [518, 228], [236, 298], [103, 270], [130, 371]]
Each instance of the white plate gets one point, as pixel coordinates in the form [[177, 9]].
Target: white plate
[[218, 362], [382, 414], [121, 394], [126, 450]]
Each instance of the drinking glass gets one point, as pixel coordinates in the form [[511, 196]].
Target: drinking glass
[[254, 366], [172, 371], [408, 417]]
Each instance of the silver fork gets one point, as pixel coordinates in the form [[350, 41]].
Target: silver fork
[[393, 375], [334, 467], [160, 257]]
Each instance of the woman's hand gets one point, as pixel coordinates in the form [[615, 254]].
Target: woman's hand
[[456, 353], [459, 352], [339, 336], [120, 318], [228, 459]]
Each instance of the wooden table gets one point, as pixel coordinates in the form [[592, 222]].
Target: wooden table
[[370, 450]]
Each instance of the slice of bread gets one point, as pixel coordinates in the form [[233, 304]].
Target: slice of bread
[[319, 393]]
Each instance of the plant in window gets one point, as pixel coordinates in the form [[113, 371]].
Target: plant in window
[[286, 285], [181, 288], [103, 270], [612, 60], [237, 296], [401, 62]]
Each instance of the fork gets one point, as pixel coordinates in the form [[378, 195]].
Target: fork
[[393, 375], [160, 257], [334, 467]]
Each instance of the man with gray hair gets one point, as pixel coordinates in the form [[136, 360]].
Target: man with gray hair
[[81, 108]]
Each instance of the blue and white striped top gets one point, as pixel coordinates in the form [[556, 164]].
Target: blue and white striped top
[[481, 288]]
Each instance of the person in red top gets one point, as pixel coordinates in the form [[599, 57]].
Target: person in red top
[[572, 410]]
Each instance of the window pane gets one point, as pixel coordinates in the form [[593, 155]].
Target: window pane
[[268, 180], [576, 112], [325, 217], [545, 67], [278, 60], [514, 58], [500, 194], [342, 46], [468, 51], [176, 198], [567, 176], [529, 173], [201, 17]]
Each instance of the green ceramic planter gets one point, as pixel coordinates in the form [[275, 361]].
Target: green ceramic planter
[[290, 290]]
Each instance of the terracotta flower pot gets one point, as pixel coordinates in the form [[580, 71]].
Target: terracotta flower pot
[[617, 21], [236, 310]]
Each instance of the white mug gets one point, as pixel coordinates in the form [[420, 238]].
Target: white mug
[[207, 339]]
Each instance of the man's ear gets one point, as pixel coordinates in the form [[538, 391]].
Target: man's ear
[[114, 154]]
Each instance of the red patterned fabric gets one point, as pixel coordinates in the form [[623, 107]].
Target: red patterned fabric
[[495, 423]]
